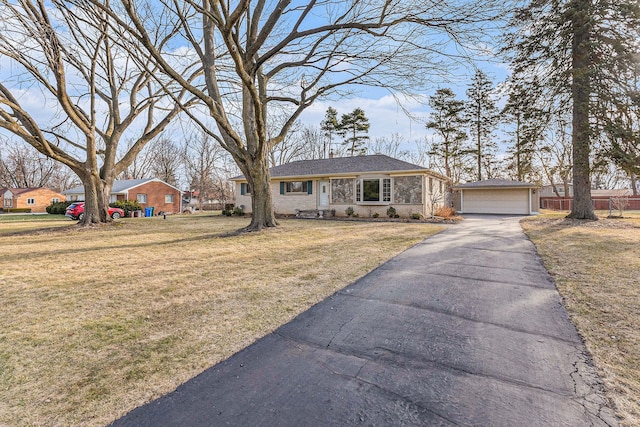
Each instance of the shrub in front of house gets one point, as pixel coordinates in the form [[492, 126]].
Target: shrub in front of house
[[392, 213], [238, 211], [228, 209], [57, 208], [127, 206], [445, 212], [349, 211], [416, 215]]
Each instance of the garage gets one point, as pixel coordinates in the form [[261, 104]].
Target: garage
[[497, 196]]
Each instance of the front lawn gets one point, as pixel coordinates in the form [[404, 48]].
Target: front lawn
[[94, 322], [596, 266], [17, 223]]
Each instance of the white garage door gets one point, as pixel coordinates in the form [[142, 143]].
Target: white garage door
[[504, 201]]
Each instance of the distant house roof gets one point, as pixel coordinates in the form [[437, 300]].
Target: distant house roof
[[19, 191], [120, 185], [496, 183], [343, 165]]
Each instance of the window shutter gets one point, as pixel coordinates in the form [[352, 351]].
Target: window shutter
[[309, 187], [281, 187], [242, 189]]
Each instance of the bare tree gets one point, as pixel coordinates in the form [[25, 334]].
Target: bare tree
[[292, 147], [166, 160], [260, 56], [141, 165], [555, 156], [435, 198], [421, 154], [316, 143], [21, 166], [206, 168], [391, 146], [620, 201], [101, 93]]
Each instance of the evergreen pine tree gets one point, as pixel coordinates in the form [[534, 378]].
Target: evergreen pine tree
[[330, 126], [354, 128], [530, 122], [583, 52], [482, 114]]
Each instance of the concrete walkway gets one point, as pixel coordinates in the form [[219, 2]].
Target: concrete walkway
[[465, 328]]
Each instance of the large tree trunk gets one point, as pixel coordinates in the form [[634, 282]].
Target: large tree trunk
[[580, 90], [96, 200], [92, 200], [263, 214]]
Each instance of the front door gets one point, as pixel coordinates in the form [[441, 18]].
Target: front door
[[323, 194]]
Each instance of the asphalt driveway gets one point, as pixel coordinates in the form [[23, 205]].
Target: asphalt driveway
[[466, 328]]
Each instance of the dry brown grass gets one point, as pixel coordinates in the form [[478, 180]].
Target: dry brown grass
[[596, 266], [10, 224], [96, 322]]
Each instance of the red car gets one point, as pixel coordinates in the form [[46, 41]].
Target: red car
[[76, 211]]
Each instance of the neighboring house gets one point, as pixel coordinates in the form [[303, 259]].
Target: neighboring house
[[367, 184], [149, 192], [37, 199], [547, 190], [498, 196]]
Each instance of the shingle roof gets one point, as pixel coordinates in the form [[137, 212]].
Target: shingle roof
[[18, 191], [342, 165], [119, 185], [497, 183]]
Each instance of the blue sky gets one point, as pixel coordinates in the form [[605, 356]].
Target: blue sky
[[388, 117]]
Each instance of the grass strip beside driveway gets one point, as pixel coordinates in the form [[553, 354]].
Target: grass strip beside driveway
[[596, 267], [94, 322]]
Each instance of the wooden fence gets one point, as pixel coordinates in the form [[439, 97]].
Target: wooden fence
[[600, 203]]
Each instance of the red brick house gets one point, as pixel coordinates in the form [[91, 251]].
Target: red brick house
[[149, 192], [36, 199]]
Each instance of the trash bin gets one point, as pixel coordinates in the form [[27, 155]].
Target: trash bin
[[148, 212]]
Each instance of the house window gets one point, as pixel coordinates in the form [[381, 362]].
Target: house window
[[141, 198], [55, 200], [8, 203], [31, 201], [245, 188], [296, 187], [373, 190], [168, 198]]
